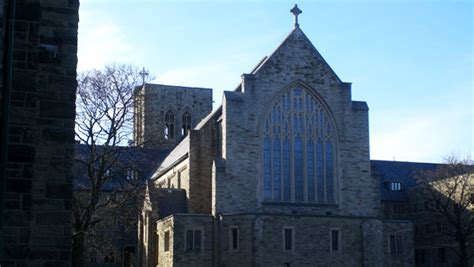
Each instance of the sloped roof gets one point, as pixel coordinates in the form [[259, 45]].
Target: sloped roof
[[398, 171], [129, 158], [167, 201], [178, 153]]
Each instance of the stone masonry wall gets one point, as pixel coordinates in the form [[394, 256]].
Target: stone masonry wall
[[158, 99], [177, 226], [239, 187], [260, 241], [176, 177], [201, 159], [405, 257], [38, 189]]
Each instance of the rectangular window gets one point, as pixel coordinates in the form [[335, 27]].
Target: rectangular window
[[167, 240], [396, 244], [419, 256], [392, 244], [179, 180], [157, 248], [439, 227], [193, 240], [399, 244], [395, 186], [428, 228], [441, 254], [288, 238], [131, 174], [197, 240], [189, 240], [335, 237], [234, 239]]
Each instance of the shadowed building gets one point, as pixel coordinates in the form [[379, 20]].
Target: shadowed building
[[37, 110]]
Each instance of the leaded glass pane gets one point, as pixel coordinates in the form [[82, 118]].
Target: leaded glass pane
[[298, 156], [310, 171], [298, 150], [329, 173], [276, 170], [286, 171], [267, 182], [320, 172]]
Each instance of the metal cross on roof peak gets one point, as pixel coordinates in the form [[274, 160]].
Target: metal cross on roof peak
[[143, 73], [296, 11]]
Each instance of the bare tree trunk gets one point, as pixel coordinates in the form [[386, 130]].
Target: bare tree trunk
[[78, 250]]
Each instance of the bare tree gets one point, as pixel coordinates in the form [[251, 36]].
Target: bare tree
[[447, 194], [103, 125]]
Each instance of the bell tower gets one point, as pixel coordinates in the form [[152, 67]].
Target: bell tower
[[164, 114]]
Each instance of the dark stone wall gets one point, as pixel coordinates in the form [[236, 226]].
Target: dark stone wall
[[38, 184]]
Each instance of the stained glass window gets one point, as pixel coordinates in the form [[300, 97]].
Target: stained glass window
[[298, 150]]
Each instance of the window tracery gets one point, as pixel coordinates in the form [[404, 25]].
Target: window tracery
[[186, 123], [168, 130], [298, 150]]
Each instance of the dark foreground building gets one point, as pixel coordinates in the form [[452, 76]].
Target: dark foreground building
[[37, 110]]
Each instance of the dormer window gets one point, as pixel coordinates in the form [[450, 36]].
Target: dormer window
[[131, 174], [395, 186]]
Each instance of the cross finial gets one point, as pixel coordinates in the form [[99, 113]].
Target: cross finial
[[296, 11], [143, 73]]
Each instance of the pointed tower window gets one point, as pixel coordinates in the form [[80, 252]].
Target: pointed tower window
[[168, 130], [186, 121], [298, 150]]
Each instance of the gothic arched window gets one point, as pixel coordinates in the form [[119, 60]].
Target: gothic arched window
[[186, 121], [168, 130], [298, 150]]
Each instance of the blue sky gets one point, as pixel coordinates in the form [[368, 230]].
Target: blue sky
[[410, 60]]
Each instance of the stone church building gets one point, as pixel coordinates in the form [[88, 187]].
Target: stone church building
[[277, 175]]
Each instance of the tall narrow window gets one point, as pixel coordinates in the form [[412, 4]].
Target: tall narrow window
[[167, 240], [396, 244], [189, 240], [441, 255], [288, 238], [335, 236], [157, 248], [298, 150], [169, 125], [186, 123], [193, 240], [234, 239]]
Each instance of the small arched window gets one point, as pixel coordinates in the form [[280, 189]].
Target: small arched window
[[186, 121], [298, 150], [168, 130]]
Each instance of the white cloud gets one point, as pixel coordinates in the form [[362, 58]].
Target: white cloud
[[100, 42]]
